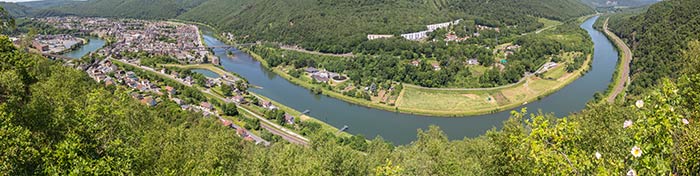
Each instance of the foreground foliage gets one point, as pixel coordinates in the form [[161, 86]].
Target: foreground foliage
[[56, 120]]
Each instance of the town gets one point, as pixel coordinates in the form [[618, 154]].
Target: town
[[119, 63], [181, 41]]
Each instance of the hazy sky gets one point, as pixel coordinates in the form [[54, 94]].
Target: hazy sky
[[17, 0]]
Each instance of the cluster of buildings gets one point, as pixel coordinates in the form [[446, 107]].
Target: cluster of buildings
[[106, 72], [55, 43], [242, 132], [510, 49], [288, 118], [432, 27], [436, 66], [181, 41], [417, 35], [322, 76]]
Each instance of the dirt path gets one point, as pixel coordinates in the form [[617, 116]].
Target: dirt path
[[298, 49], [624, 70]]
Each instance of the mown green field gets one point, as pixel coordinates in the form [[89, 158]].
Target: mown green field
[[472, 102]]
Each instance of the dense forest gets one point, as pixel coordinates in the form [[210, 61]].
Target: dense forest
[[657, 39], [148, 9], [337, 26]]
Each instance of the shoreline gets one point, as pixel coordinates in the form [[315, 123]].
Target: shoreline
[[620, 79]]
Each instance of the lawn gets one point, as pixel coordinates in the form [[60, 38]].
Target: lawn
[[548, 23], [555, 73], [445, 101], [472, 102]]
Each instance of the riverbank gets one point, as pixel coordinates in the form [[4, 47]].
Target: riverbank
[[325, 127], [455, 103], [621, 75]]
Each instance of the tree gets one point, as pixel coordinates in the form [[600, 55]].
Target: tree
[[7, 22], [226, 90], [230, 109]]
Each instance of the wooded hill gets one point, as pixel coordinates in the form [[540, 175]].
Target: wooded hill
[[337, 26], [331, 25], [657, 38]]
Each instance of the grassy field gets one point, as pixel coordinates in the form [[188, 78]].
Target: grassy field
[[474, 102], [548, 23]]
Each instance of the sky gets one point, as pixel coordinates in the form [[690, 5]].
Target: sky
[[17, 0]]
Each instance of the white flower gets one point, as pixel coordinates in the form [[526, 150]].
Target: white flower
[[627, 124], [685, 121], [636, 152], [631, 173], [639, 103], [598, 155]]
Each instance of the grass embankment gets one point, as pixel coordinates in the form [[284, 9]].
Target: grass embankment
[[324, 126], [455, 103]]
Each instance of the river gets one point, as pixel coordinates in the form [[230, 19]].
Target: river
[[401, 128], [93, 44]]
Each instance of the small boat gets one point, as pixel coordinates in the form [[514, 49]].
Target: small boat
[[306, 111], [344, 128]]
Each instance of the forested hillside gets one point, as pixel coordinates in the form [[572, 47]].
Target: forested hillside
[[149, 9], [658, 38], [331, 25], [16, 10], [56, 120], [337, 26]]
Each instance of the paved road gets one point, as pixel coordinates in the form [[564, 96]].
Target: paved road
[[624, 71], [285, 133]]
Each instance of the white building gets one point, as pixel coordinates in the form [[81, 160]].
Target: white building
[[375, 36], [434, 27], [416, 35]]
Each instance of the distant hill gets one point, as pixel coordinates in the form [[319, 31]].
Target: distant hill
[[153, 9], [16, 10], [44, 4], [610, 3]]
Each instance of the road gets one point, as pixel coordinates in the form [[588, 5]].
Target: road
[[274, 128], [624, 70], [298, 49]]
